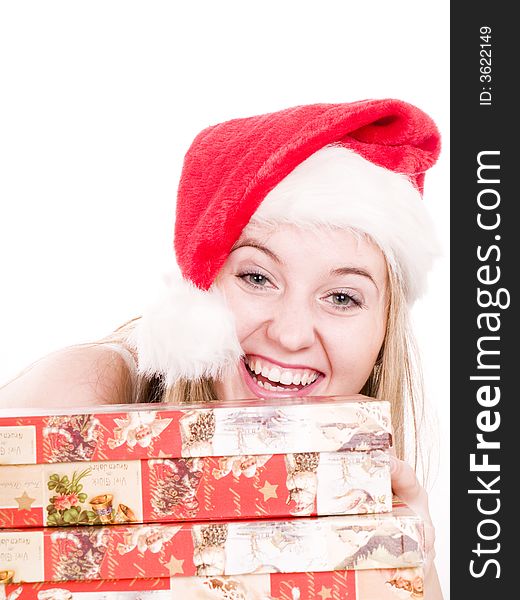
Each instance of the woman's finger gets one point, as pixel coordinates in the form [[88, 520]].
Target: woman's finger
[[407, 487]]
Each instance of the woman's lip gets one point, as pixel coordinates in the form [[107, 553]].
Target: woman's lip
[[261, 392], [281, 364]]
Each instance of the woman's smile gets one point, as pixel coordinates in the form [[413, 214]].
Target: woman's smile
[[270, 379]]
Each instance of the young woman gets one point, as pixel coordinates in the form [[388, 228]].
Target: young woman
[[302, 241]]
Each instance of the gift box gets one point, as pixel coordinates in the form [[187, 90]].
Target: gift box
[[173, 489], [376, 584], [238, 428], [391, 540]]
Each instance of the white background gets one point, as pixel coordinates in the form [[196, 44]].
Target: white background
[[100, 100]]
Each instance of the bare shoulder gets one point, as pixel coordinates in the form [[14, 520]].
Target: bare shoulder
[[82, 375]]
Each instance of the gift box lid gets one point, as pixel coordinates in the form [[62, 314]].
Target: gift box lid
[[242, 427], [390, 540]]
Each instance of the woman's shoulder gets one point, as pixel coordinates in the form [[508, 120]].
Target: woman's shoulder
[[83, 375]]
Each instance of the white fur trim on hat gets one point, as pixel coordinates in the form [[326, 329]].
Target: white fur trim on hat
[[336, 187], [186, 334]]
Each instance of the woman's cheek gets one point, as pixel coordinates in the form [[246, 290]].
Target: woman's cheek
[[249, 317], [353, 352]]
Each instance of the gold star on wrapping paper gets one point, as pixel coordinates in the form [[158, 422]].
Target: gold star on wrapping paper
[[269, 491], [175, 566], [324, 593], [24, 502]]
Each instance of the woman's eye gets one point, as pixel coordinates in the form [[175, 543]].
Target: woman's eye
[[341, 299], [344, 300], [254, 279]]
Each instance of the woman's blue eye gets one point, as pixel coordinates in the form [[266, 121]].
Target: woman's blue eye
[[254, 279], [342, 299], [257, 279]]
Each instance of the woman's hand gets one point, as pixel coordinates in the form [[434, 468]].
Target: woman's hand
[[406, 486]]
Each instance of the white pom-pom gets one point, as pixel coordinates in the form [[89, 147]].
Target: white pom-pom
[[188, 333]]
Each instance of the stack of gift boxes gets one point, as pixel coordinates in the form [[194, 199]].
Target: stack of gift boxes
[[246, 500]]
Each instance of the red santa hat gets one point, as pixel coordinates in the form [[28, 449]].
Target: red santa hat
[[358, 166]]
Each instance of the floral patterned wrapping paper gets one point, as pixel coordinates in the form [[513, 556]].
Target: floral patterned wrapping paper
[[390, 540], [240, 428], [376, 584], [172, 489]]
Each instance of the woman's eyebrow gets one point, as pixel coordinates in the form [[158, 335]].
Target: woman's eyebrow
[[254, 244], [352, 271], [334, 272]]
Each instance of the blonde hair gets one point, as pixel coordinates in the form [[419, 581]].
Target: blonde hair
[[396, 376]]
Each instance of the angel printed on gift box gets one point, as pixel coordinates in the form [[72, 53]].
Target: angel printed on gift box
[[408, 583], [240, 465], [138, 428], [233, 588], [225, 587], [209, 555]]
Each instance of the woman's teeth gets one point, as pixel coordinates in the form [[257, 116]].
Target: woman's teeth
[[274, 388], [301, 377]]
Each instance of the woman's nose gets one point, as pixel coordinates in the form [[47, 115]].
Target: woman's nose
[[292, 325]]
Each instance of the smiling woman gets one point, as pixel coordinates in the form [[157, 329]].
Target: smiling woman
[[313, 292], [302, 241]]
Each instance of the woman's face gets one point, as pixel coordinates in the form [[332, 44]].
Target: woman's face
[[310, 311]]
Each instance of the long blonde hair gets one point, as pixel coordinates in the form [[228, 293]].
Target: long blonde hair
[[397, 375]]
